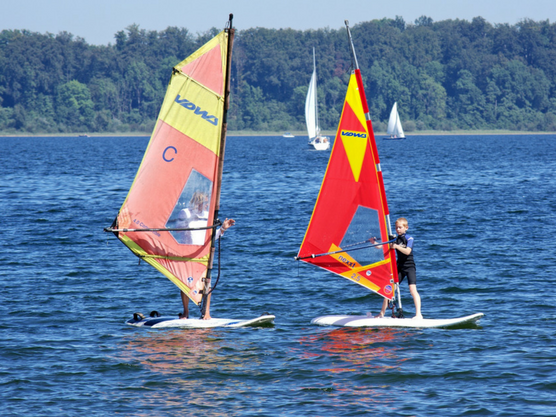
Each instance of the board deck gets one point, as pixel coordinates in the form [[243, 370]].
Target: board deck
[[366, 321], [173, 322]]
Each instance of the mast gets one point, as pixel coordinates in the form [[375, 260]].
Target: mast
[[375, 156], [231, 33], [353, 56]]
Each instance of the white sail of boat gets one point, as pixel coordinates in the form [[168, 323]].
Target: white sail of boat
[[394, 124], [318, 141]]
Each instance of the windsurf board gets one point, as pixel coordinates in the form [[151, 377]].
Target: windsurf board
[[369, 321], [140, 320]]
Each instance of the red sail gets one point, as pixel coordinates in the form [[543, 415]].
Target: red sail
[[351, 213]]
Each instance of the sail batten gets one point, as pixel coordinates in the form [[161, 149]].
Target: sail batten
[[351, 207], [170, 214]]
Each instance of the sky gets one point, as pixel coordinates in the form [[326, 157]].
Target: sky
[[97, 21]]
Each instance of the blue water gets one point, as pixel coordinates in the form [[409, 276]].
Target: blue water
[[481, 210]]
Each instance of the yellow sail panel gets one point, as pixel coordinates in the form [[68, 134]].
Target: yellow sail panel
[[194, 100], [194, 110], [353, 98], [356, 273], [355, 140]]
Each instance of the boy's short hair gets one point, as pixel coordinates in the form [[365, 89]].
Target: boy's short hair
[[403, 221]]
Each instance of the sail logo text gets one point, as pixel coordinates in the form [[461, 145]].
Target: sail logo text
[[346, 261], [352, 134], [197, 110], [144, 226], [166, 150]]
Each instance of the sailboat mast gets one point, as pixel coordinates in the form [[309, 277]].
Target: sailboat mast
[[231, 32]]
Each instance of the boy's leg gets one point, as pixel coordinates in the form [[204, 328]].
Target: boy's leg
[[416, 301]]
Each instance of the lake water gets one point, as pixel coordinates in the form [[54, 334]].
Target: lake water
[[478, 208]]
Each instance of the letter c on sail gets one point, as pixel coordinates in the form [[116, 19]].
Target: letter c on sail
[[166, 150]]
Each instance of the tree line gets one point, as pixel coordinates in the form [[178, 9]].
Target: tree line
[[446, 75]]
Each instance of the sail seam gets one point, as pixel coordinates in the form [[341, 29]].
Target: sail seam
[[193, 80], [174, 258]]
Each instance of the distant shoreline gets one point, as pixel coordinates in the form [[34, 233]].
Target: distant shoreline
[[296, 134]]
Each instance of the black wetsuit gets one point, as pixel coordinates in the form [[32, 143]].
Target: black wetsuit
[[405, 263]]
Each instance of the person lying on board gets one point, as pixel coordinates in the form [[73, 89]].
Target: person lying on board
[[184, 298], [406, 265]]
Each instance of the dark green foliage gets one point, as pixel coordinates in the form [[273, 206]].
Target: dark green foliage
[[446, 75]]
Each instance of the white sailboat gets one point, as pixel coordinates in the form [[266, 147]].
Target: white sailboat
[[394, 124], [318, 141]]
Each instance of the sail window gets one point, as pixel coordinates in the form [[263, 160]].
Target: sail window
[[192, 210], [364, 225]]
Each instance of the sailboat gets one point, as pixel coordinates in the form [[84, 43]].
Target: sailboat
[[169, 218], [318, 141], [349, 231], [395, 129]]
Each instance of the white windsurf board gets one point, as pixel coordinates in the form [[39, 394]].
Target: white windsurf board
[[173, 322], [369, 321]]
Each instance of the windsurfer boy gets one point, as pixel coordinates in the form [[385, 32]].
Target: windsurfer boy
[[406, 265]]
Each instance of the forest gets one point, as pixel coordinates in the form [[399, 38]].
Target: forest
[[445, 76]]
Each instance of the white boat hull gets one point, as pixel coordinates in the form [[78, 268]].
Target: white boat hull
[[366, 321], [322, 144]]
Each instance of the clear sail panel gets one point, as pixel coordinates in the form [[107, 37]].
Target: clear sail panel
[[364, 226], [191, 210]]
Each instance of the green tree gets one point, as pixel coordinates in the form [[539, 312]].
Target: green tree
[[74, 107], [469, 102]]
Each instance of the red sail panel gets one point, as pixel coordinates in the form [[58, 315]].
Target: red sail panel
[[177, 181], [350, 210]]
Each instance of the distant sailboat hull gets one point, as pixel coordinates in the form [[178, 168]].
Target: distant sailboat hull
[[322, 143]]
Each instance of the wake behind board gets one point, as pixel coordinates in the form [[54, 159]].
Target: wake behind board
[[366, 321], [173, 322]]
